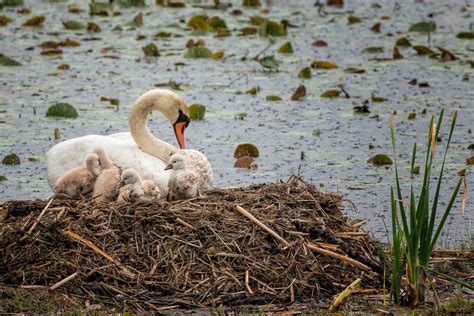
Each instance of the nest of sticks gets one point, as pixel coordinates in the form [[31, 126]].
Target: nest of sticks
[[282, 242]]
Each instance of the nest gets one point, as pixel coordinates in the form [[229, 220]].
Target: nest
[[281, 242]]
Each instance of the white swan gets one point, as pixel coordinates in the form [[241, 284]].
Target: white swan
[[138, 149]]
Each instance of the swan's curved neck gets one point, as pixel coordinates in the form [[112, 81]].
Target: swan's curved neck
[[137, 121]]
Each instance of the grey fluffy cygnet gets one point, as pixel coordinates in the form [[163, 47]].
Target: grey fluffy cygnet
[[183, 183], [79, 182], [135, 189]]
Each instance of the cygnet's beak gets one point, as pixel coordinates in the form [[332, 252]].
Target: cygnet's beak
[[168, 167]]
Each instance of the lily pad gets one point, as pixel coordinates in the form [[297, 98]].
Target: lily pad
[[35, 21], [299, 93], [378, 99], [423, 27], [199, 23], [246, 150], [64, 110], [411, 115], [73, 25], [63, 67], [320, 64], [305, 73], [99, 8], [446, 55], [52, 52], [93, 27], [132, 3], [380, 160], [273, 98], [269, 62], [353, 19], [197, 112], [13, 3], [3, 178], [423, 50], [217, 55], [286, 48], [396, 54], [11, 159], [253, 90], [246, 31], [4, 20], [332, 93], [403, 41], [376, 27], [198, 52], [373, 50], [415, 169], [216, 23], [151, 50], [7, 61], [352, 70], [251, 3], [245, 162], [470, 161], [465, 35], [271, 28], [69, 43]]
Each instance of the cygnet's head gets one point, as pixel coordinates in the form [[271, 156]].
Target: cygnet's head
[[129, 176], [92, 164], [177, 162]]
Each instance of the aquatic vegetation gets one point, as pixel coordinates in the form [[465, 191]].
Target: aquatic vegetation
[[35, 21], [7, 61], [299, 93], [380, 160], [273, 98], [62, 110], [151, 50], [286, 48], [305, 73], [321, 64], [246, 150], [403, 41], [11, 159], [197, 111], [332, 93], [198, 52], [414, 233]]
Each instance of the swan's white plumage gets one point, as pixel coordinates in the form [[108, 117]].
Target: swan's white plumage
[[138, 150]]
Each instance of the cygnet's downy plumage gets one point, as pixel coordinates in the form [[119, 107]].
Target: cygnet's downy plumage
[[79, 182], [183, 183], [107, 184], [134, 189]]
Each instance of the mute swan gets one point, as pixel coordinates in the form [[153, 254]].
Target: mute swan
[[107, 184], [138, 149], [184, 183], [134, 189], [78, 181]]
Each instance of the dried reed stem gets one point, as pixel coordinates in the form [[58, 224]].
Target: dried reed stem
[[28, 233], [351, 261], [63, 281], [247, 286]]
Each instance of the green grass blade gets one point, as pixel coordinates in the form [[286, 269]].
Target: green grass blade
[[452, 279]]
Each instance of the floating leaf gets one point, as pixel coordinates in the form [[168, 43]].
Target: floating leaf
[[216, 23], [411, 115], [198, 52], [271, 28], [319, 64], [465, 35], [470, 161], [4, 20], [217, 55], [12, 3], [423, 50], [11, 159], [268, 62], [63, 67], [353, 19], [93, 27], [240, 116], [378, 99], [380, 159], [57, 134], [132, 3], [245, 162], [352, 70], [332, 93], [247, 31], [299, 93], [138, 20], [35, 21], [151, 50], [74, 9], [335, 3], [52, 52], [305, 73], [362, 109], [446, 55], [197, 111], [163, 35], [257, 20], [99, 8], [286, 48], [3, 178], [70, 43], [199, 23], [251, 3], [7, 61], [273, 98], [415, 169], [64, 110], [396, 54], [373, 50], [320, 43], [246, 150], [253, 90], [73, 25], [423, 27], [376, 27], [402, 41]]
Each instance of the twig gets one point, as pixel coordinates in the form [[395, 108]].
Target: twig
[[28, 233], [242, 211], [88, 243], [63, 281], [338, 301], [351, 261], [247, 286], [180, 221], [262, 51]]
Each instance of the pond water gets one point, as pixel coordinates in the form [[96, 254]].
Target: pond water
[[112, 64]]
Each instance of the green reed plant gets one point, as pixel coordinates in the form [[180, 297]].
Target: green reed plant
[[414, 233]]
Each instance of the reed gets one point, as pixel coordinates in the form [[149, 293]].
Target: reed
[[414, 233]]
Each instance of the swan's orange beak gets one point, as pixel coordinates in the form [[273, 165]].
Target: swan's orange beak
[[181, 123]]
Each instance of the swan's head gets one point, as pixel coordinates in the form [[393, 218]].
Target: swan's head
[[92, 164], [129, 176], [177, 162], [171, 106]]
